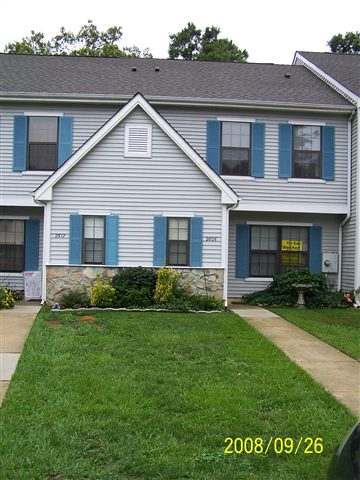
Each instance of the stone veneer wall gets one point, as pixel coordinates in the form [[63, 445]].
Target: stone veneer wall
[[61, 279]]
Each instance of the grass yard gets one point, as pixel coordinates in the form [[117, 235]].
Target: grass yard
[[339, 327], [146, 396]]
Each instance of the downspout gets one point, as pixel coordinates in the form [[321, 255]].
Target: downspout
[[225, 247], [357, 206], [348, 201]]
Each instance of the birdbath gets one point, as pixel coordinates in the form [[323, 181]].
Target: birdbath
[[301, 289]]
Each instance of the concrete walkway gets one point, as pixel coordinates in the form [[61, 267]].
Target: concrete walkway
[[335, 371], [15, 325]]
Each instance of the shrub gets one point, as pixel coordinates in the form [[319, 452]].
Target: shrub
[[102, 294], [283, 292], [167, 285], [7, 299], [134, 284], [205, 302], [77, 298]]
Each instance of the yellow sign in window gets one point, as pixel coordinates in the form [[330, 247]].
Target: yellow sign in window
[[292, 245]]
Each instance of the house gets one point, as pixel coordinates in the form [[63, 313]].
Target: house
[[342, 73], [227, 172]]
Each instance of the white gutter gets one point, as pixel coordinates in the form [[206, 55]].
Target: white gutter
[[348, 201], [357, 205]]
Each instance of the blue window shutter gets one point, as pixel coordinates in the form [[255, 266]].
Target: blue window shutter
[[285, 150], [328, 152], [159, 253], [257, 149], [112, 240], [196, 241], [32, 242], [20, 143], [315, 249], [242, 250], [75, 239], [65, 139], [213, 144]]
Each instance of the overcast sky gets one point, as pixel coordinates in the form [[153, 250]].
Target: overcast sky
[[271, 31]]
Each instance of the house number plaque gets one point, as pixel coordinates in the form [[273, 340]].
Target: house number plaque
[[211, 239]]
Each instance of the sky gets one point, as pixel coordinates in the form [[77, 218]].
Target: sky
[[271, 31]]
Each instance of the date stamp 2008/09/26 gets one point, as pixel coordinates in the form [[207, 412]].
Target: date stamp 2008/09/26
[[278, 445]]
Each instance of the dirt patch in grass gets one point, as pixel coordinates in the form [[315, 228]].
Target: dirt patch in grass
[[87, 318], [53, 323]]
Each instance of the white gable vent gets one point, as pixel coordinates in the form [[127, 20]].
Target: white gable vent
[[137, 140]]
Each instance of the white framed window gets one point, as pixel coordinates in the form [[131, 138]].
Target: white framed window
[[138, 139]]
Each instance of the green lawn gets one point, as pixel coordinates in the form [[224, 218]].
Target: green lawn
[[339, 327], [146, 396]]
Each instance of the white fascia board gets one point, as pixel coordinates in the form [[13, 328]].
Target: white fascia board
[[228, 196], [339, 87], [18, 201], [291, 207]]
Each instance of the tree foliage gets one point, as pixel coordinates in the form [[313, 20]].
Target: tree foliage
[[193, 44], [89, 41], [347, 43]]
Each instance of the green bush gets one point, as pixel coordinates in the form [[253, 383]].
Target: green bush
[[283, 292], [102, 294], [167, 285], [205, 302], [7, 299], [77, 298], [134, 286]]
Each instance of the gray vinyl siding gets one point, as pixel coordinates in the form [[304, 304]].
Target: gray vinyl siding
[[136, 189], [238, 287], [349, 235], [191, 123], [86, 121], [16, 280]]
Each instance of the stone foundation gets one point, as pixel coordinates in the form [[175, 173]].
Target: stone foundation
[[61, 279]]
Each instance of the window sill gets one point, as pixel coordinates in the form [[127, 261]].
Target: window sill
[[239, 177], [306, 180], [258, 279], [37, 172]]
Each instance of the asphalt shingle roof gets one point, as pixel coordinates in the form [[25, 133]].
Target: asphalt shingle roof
[[345, 68], [122, 77]]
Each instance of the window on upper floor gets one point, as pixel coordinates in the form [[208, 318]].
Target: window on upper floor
[[235, 148], [178, 241], [42, 143], [307, 151], [94, 240], [276, 249], [11, 245]]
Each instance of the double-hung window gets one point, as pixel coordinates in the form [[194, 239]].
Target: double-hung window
[[276, 249], [11, 245], [235, 148], [307, 151], [42, 143], [178, 241], [94, 240]]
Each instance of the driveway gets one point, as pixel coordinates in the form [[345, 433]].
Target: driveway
[[15, 325]]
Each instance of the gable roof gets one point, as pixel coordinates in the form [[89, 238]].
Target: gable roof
[[115, 79], [344, 68], [44, 191]]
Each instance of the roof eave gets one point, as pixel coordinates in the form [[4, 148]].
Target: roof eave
[[163, 100]]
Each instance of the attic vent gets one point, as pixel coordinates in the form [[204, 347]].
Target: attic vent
[[137, 140]]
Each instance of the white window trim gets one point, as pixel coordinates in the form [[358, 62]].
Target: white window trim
[[13, 217], [177, 215], [41, 113], [37, 172], [280, 224], [306, 180], [236, 119], [146, 154], [90, 213], [239, 177], [11, 274], [307, 123]]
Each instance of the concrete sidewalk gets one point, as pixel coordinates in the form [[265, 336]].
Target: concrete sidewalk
[[15, 325], [335, 371]]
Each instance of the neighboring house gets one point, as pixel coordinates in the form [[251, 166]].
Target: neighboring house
[[342, 72], [227, 172]]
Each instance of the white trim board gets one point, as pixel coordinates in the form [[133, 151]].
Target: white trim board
[[43, 113], [280, 224], [44, 192], [291, 207]]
